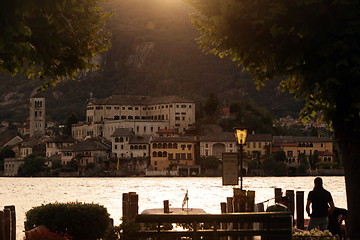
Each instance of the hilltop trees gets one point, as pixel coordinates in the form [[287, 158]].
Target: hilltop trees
[[314, 46], [48, 40]]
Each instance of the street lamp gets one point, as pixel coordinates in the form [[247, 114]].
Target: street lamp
[[240, 135]]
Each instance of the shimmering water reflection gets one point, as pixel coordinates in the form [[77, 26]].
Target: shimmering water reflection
[[205, 193]]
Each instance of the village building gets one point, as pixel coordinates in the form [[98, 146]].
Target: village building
[[32, 145], [258, 145], [91, 150], [56, 143], [11, 166], [127, 144], [167, 153], [217, 144], [142, 114], [294, 146]]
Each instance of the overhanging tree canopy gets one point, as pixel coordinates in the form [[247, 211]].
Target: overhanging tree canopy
[[313, 45], [48, 40]]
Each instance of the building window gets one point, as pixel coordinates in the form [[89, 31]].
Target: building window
[[189, 156], [154, 145], [183, 156], [130, 117], [189, 146], [177, 156], [289, 153], [154, 154], [130, 108]]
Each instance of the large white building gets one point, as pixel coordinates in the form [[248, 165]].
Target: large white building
[[142, 114]]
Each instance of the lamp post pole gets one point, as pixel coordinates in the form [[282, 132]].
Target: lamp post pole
[[240, 135], [241, 147]]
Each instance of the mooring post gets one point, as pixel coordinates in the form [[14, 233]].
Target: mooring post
[[134, 204], [278, 195], [166, 206], [125, 205], [291, 201], [2, 225], [13, 221], [7, 214], [223, 210], [300, 209]]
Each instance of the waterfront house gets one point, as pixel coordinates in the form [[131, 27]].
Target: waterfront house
[[168, 153], [294, 146], [127, 144], [258, 145], [56, 143], [218, 143], [91, 150]]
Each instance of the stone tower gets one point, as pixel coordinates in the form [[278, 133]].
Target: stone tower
[[37, 117]]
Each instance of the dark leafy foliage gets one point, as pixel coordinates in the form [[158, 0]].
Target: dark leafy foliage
[[82, 221]]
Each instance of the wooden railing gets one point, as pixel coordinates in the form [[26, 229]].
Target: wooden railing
[[8, 223], [273, 226]]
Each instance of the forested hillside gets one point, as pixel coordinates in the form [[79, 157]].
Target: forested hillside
[[154, 52]]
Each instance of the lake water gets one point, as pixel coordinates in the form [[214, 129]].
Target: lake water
[[205, 193]]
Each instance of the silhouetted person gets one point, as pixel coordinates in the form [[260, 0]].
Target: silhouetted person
[[335, 221], [322, 205]]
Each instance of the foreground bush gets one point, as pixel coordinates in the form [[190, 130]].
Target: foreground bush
[[82, 221], [314, 234]]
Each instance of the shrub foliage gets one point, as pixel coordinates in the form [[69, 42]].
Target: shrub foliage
[[83, 221]]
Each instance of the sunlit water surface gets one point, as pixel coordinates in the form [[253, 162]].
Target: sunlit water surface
[[205, 193]]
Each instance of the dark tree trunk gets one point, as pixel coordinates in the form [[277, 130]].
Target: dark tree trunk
[[347, 133]]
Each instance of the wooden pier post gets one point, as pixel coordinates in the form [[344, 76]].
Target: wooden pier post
[[13, 221], [125, 205], [7, 231], [300, 209], [291, 201], [134, 205], [278, 195], [2, 225], [166, 206], [230, 204], [223, 210]]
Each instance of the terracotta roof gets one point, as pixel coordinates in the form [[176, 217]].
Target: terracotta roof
[[293, 139], [32, 141], [138, 100], [119, 132], [61, 139], [219, 137], [55, 157], [136, 139], [90, 144], [174, 139], [326, 153], [7, 135], [169, 130], [259, 137]]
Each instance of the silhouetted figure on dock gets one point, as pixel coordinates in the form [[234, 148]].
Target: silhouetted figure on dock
[[322, 205]]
